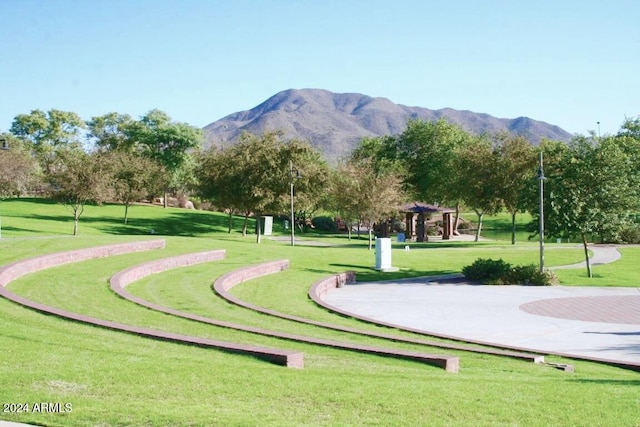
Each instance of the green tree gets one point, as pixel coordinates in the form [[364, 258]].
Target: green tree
[[430, 152], [134, 177], [77, 178], [48, 133], [110, 132], [18, 170], [167, 142], [252, 176], [345, 186], [514, 169], [382, 152], [630, 128], [482, 187], [310, 179], [590, 189], [359, 192], [220, 180]]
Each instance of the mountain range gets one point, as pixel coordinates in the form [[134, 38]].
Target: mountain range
[[334, 123]]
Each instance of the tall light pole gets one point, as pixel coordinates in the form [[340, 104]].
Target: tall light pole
[[291, 178], [598, 130], [541, 179], [3, 146]]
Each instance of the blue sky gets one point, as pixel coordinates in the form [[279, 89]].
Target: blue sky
[[569, 63]]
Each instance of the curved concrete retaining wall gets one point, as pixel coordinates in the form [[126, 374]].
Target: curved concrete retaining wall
[[123, 278], [18, 269], [325, 285], [137, 272], [229, 280]]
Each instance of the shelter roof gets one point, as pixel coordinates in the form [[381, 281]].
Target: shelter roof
[[420, 207]]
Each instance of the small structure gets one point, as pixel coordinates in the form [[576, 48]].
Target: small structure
[[416, 228], [383, 255]]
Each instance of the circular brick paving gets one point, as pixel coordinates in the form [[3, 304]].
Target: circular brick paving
[[606, 309]]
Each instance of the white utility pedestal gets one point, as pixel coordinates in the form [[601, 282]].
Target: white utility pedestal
[[383, 255], [267, 229]]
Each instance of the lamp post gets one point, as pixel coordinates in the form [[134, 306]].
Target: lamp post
[[3, 146], [541, 179], [291, 177], [598, 130]]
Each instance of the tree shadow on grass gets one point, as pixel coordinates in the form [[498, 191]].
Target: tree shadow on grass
[[6, 228], [175, 223]]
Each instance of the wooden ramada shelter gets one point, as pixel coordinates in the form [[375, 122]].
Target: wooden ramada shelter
[[416, 216]]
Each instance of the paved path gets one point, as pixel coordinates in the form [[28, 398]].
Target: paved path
[[586, 322]]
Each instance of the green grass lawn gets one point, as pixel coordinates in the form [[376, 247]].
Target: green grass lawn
[[118, 379]]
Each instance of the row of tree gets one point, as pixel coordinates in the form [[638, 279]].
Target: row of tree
[[592, 182], [110, 157]]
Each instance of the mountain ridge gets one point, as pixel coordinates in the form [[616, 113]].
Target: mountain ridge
[[334, 123]]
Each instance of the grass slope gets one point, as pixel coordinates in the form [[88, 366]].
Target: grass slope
[[117, 379]]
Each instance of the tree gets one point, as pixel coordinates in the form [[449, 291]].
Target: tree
[[590, 189], [220, 180], [514, 169], [430, 152], [167, 142], [110, 132], [344, 187], [134, 177], [311, 179], [18, 170], [359, 192], [382, 152], [481, 190], [48, 133], [252, 176], [77, 178], [630, 128]]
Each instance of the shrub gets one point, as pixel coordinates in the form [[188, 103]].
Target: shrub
[[487, 270], [630, 234], [324, 223], [545, 278], [523, 274], [492, 272]]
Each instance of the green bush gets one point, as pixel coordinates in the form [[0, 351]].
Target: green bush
[[522, 274], [544, 278], [492, 272], [630, 234], [487, 270], [324, 223]]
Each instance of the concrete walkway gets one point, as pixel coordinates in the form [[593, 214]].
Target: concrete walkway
[[582, 322]]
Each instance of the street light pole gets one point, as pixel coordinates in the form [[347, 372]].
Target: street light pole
[[3, 146], [292, 212], [293, 218], [541, 179]]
